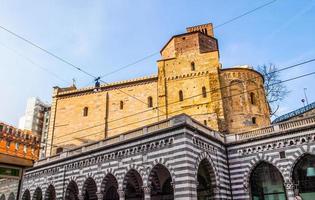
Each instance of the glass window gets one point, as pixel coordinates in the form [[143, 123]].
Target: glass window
[[180, 95], [266, 183]]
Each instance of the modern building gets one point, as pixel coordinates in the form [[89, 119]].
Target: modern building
[[18, 151], [36, 120], [203, 132], [190, 80]]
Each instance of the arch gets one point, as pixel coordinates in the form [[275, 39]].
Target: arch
[[150, 102], [206, 156], [109, 187], [121, 105], [304, 176], [89, 189], [180, 95], [266, 182], [2, 197], [204, 92], [161, 183], [50, 193], [192, 66], [72, 191], [206, 180], [252, 98], [38, 194], [11, 196], [132, 185], [26, 195], [85, 111]]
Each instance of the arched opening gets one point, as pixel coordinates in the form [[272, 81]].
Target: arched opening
[[266, 182], [121, 105], [85, 111], [304, 177], [50, 193], [26, 195], [252, 98], [109, 188], [161, 184], [253, 120], [38, 195], [72, 191], [133, 185], [181, 95], [206, 181], [192, 65], [150, 102], [204, 92], [89, 189], [11, 196], [2, 197]]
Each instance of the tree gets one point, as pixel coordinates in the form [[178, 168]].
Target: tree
[[275, 90]]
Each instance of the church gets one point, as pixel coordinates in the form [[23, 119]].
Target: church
[[194, 131]]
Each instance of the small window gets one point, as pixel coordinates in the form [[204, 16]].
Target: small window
[[192, 65], [204, 92], [121, 105], [180, 95], [252, 98], [85, 111], [205, 122], [17, 145], [59, 150], [150, 102], [254, 120]]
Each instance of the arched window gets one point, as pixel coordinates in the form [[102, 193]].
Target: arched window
[[204, 92], [121, 105], [150, 102], [206, 31], [304, 177], [254, 120], [59, 150], [85, 111], [205, 122], [266, 182], [252, 98], [181, 95], [192, 65]]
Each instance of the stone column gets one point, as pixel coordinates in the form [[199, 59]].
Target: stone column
[[121, 193], [147, 192], [99, 196], [289, 187]]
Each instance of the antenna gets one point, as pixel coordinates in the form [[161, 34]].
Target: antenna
[[305, 95], [73, 82], [97, 84]]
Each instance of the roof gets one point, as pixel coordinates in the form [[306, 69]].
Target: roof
[[295, 113]]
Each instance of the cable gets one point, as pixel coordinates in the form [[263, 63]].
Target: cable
[[34, 63], [287, 80], [190, 97]]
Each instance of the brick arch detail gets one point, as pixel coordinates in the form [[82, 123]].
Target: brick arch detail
[[207, 156], [160, 161], [298, 155], [138, 168], [256, 161], [109, 171]]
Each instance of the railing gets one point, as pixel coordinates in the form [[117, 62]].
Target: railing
[[276, 128]]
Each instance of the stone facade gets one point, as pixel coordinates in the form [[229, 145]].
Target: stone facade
[[193, 156], [190, 80]]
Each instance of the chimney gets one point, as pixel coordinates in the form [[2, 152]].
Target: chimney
[[204, 28]]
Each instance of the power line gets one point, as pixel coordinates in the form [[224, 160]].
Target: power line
[[193, 96], [176, 111], [34, 63]]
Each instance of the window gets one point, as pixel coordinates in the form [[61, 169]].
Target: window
[[85, 111], [150, 102], [192, 65], [252, 98], [59, 150], [205, 122], [181, 96], [204, 92], [17, 145], [1, 128], [254, 120], [121, 105]]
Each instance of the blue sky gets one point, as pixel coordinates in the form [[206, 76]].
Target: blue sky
[[101, 36]]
